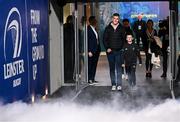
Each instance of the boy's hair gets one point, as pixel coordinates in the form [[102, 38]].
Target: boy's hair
[[116, 14], [128, 33]]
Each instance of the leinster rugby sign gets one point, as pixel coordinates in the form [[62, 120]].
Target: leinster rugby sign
[[13, 28], [23, 48], [13, 54]]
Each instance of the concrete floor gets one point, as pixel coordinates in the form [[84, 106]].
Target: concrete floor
[[150, 90]]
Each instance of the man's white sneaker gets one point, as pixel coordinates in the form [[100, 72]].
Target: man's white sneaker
[[90, 82], [113, 88], [119, 88], [95, 82]]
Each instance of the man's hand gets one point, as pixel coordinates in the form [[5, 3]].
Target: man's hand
[[90, 54], [109, 50]]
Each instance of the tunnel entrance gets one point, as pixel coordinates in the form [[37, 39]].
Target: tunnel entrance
[[103, 11]]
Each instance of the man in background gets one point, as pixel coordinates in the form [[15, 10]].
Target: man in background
[[139, 28], [69, 49], [164, 35], [93, 49]]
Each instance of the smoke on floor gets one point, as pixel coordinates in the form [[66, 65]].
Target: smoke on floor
[[58, 111]]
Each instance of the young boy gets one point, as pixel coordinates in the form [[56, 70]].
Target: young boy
[[130, 54]]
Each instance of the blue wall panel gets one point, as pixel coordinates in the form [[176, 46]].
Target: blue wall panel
[[37, 16], [23, 48]]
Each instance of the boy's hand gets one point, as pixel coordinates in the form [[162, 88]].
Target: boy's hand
[[140, 62]]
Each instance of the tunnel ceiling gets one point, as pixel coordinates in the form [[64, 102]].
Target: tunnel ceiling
[[71, 1]]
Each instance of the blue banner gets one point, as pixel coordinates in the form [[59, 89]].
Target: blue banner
[[23, 48], [38, 42]]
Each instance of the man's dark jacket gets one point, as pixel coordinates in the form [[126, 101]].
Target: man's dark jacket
[[93, 43], [114, 39]]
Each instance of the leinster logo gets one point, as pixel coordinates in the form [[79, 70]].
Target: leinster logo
[[13, 34], [12, 47]]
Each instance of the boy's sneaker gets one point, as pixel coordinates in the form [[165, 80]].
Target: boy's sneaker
[[126, 77], [123, 76], [119, 88], [113, 88]]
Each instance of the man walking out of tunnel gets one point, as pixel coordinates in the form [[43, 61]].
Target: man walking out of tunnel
[[93, 49], [113, 40]]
